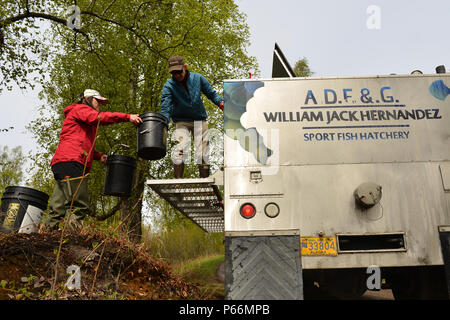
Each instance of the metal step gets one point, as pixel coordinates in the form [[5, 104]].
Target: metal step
[[198, 199]]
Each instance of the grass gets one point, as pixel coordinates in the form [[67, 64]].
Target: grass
[[203, 272], [184, 243], [193, 255]]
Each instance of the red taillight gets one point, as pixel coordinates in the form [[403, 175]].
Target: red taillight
[[247, 210]]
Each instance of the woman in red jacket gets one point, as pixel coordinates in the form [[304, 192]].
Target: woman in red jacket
[[74, 155]]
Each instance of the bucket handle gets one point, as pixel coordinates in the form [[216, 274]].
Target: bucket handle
[[146, 131]]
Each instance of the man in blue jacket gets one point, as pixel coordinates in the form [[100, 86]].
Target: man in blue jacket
[[181, 101]]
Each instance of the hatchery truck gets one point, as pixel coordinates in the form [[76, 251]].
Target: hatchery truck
[[327, 180]]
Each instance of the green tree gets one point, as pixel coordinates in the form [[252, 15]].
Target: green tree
[[11, 163], [124, 56], [302, 68], [23, 49]]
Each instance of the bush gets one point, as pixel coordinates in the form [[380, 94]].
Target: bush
[[184, 242]]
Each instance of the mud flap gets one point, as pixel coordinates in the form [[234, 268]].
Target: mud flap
[[263, 268], [444, 236]]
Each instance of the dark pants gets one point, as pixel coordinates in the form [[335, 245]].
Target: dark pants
[[70, 195], [70, 169]]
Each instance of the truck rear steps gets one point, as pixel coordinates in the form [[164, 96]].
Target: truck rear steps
[[198, 199], [381, 242]]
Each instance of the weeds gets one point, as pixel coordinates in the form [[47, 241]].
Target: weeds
[[203, 272], [183, 243]]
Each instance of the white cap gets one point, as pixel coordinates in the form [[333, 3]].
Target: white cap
[[96, 95]]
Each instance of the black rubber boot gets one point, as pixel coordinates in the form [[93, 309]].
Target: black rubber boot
[[178, 170], [204, 170]]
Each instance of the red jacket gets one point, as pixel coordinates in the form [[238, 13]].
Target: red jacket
[[78, 133]]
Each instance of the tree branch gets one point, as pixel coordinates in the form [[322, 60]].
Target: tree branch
[[130, 29], [27, 6], [90, 4], [40, 15], [108, 7], [139, 9], [2, 38], [8, 21], [187, 31], [29, 14]]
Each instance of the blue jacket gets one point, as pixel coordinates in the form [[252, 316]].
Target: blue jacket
[[178, 104]]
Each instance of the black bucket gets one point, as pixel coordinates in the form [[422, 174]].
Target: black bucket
[[119, 175], [22, 209], [152, 136]]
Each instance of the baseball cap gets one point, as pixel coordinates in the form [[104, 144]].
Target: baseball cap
[[176, 63], [96, 95]]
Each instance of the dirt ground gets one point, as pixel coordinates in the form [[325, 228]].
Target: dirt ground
[[385, 294], [34, 266]]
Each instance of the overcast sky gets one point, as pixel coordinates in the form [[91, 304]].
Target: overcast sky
[[339, 38]]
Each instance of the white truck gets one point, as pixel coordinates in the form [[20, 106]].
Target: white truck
[[326, 179]]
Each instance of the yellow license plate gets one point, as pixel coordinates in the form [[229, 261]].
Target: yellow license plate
[[318, 246]]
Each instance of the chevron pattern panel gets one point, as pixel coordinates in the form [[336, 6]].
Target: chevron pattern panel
[[263, 268]]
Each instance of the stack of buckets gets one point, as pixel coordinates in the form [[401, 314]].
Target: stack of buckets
[[22, 209], [151, 145]]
